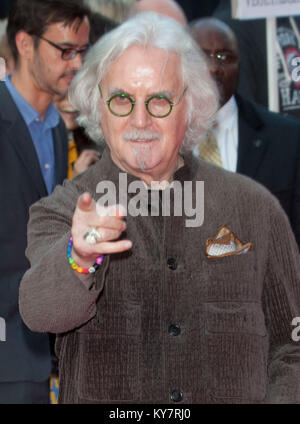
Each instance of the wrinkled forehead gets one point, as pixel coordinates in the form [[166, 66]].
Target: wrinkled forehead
[[145, 66]]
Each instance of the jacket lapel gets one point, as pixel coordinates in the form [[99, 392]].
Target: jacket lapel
[[252, 143], [61, 164], [20, 137], [16, 132]]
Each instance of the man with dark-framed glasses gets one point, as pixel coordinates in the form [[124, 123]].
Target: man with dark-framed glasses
[[149, 309], [67, 53], [34, 159]]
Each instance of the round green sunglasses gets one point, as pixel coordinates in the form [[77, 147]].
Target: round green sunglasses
[[157, 105]]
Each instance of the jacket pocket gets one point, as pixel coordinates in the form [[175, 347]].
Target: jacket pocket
[[108, 368], [237, 348], [109, 354], [230, 264], [233, 278]]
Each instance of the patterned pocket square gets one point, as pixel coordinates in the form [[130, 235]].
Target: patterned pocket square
[[226, 243]]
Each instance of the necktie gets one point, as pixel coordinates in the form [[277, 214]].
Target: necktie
[[209, 150]]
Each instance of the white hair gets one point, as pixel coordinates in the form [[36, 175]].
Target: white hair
[[147, 30]]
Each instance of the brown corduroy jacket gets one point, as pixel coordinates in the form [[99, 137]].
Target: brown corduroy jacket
[[163, 323]]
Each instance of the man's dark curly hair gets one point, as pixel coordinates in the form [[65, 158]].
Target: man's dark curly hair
[[35, 16]]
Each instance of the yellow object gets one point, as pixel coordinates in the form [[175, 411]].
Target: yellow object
[[209, 150], [73, 156], [54, 386]]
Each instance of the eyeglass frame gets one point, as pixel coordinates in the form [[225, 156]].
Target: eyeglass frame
[[133, 103], [64, 49]]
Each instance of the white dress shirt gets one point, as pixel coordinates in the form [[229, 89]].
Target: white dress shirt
[[226, 133]]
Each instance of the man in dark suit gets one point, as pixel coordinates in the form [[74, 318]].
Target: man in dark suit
[[251, 140], [252, 43], [47, 39]]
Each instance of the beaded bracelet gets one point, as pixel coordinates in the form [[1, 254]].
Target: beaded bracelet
[[78, 268]]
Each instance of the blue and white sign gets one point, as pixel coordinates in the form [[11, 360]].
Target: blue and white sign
[[256, 9]]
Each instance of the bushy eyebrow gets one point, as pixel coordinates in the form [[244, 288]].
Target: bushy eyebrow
[[167, 94], [117, 90]]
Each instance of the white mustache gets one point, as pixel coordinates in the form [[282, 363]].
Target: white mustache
[[138, 135]]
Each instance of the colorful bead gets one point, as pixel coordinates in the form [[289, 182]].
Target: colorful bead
[[79, 269]]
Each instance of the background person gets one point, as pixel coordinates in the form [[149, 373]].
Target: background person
[[251, 140], [47, 39], [252, 44], [82, 152]]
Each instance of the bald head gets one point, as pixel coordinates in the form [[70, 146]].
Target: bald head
[[219, 43], [164, 7]]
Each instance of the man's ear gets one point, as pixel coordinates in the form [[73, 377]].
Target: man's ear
[[25, 44]]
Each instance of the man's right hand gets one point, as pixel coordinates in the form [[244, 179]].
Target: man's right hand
[[110, 225]]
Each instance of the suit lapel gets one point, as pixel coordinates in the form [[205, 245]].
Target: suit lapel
[[60, 166], [20, 137], [252, 144], [17, 133]]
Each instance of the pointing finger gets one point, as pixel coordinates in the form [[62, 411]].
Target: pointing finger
[[85, 202]]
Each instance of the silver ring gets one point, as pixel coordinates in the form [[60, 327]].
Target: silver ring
[[92, 235]]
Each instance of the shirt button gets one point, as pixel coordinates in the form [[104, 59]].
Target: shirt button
[[172, 264], [174, 329], [176, 396], [37, 119], [47, 166]]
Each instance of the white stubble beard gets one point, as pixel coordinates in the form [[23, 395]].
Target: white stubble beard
[[143, 156]]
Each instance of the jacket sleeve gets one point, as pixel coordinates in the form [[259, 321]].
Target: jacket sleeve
[[281, 298], [53, 298]]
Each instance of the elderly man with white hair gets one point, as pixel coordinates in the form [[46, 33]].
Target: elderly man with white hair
[[151, 306]]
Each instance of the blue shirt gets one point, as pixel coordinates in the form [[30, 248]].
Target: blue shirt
[[41, 133]]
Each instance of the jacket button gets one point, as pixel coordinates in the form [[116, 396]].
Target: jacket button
[[257, 143], [176, 396], [174, 330], [172, 264]]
